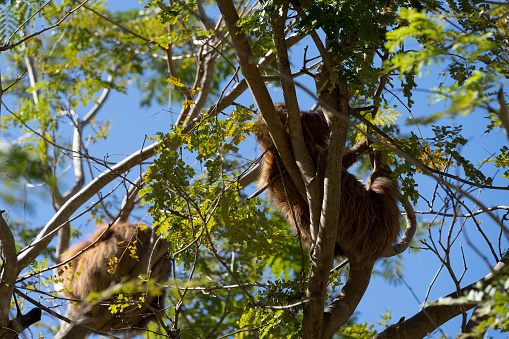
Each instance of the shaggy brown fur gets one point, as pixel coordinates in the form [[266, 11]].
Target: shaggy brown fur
[[369, 221], [94, 264]]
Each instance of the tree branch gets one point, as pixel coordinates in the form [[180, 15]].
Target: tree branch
[[432, 317], [60, 317], [9, 270], [260, 93], [322, 254], [130, 198], [343, 306], [205, 85], [23, 321], [302, 157]]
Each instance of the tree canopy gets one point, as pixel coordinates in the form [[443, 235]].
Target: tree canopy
[[145, 113]]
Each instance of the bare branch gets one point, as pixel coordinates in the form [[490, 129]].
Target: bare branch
[[302, 157], [78, 142], [32, 78], [98, 104], [249, 176], [465, 215]]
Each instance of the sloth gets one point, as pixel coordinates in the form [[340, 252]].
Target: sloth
[[95, 270], [369, 214]]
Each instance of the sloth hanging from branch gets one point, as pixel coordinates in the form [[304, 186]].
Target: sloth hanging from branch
[[370, 215]]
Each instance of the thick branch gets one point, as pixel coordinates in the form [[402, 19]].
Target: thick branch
[[431, 317], [300, 150], [22, 322], [322, 252], [260, 93], [9, 271], [250, 176], [341, 309]]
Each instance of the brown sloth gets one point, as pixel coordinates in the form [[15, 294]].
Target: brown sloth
[[95, 270], [369, 220]]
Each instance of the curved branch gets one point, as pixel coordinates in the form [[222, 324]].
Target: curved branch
[[64, 234], [99, 104], [340, 310], [431, 317]]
